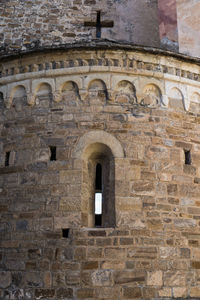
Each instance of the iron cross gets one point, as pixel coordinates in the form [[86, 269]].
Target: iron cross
[[99, 24]]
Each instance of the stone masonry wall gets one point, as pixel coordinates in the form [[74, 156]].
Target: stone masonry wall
[[145, 108], [26, 25], [32, 24]]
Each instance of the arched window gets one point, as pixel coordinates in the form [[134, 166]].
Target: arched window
[[98, 192], [99, 151]]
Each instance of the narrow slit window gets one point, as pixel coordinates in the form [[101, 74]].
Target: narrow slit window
[[188, 159], [7, 158], [53, 153], [98, 196], [65, 232]]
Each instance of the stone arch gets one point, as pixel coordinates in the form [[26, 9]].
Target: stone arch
[[18, 97], [98, 136], [18, 91], [151, 96], [69, 92], [43, 88], [98, 154], [98, 147], [43, 94], [97, 92], [125, 93], [195, 103], [176, 99]]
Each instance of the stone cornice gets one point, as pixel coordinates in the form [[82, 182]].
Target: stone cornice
[[102, 44], [148, 73]]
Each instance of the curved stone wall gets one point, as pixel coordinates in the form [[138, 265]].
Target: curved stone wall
[[144, 109]]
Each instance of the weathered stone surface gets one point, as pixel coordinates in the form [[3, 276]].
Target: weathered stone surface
[[125, 277], [155, 278], [102, 278], [174, 279], [132, 292], [5, 279], [50, 246]]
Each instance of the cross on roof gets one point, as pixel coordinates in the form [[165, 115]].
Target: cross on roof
[[99, 24]]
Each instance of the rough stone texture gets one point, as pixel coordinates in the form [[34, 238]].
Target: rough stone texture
[[27, 25], [31, 24], [189, 26], [140, 111]]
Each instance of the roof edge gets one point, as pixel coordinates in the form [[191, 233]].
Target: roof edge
[[104, 44]]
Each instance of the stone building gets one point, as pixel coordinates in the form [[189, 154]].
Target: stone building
[[100, 149]]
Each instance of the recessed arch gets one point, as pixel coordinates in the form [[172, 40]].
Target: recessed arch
[[43, 89], [18, 99], [97, 84], [125, 93], [98, 155], [176, 93], [195, 103], [98, 136], [195, 97], [97, 91], [69, 86], [176, 99], [151, 95], [69, 92], [125, 86], [18, 91]]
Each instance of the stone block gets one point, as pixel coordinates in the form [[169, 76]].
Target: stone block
[[149, 293], [174, 278], [132, 292], [155, 278], [113, 265], [127, 276], [85, 293], [33, 279], [195, 292], [64, 293], [69, 221], [90, 265], [72, 278], [102, 278], [168, 252], [94, 253], [142, 186], [195, 264], [180, 292], [112, 253], [142, 252], [165, 292], [44, 293], [107, 293], [5, 279]]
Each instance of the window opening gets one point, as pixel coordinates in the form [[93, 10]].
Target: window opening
[[7, 158], [98, 196], [65, 232], [53, 153], [188, 160]]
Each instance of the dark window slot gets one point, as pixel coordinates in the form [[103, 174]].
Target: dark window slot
[[188, 159], [65, 232], [7, 158], [98, 182], [98, 196], [53, 153]]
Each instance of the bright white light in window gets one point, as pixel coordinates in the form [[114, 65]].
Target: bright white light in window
[[98, 203]]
